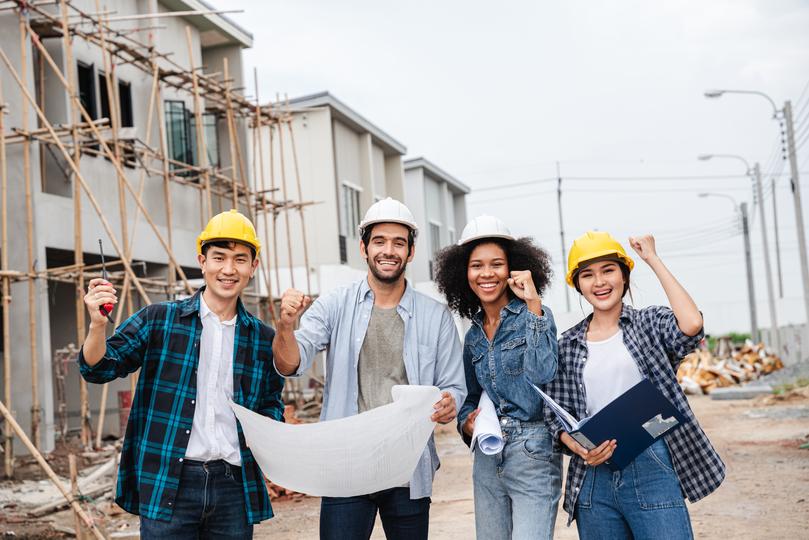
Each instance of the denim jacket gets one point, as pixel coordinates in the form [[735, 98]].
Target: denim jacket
[[523, 352]]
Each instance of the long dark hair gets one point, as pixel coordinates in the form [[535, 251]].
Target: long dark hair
[[452, 262]]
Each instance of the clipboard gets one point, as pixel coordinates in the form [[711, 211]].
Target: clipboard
[[635, 419]]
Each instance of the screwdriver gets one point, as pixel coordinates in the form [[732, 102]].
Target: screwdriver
[[105, 309]]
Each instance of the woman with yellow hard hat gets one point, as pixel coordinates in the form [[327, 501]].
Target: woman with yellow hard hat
[[599, 359]]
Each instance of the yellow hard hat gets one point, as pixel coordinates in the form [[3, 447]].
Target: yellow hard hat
[[230, 225], [593, 245]]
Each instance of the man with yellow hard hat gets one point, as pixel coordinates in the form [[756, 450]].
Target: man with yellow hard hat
[[185, 467]]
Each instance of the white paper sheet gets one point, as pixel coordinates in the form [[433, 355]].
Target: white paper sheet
[[487, 432], [378, 449]]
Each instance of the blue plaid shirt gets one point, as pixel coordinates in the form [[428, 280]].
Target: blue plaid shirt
[[163, 340], [658, 346]]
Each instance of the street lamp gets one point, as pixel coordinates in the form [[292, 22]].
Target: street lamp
[[751, 295], [755, 175], [786, 113]]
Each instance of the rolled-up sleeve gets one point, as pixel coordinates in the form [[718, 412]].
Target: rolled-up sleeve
[[125, 351], [314, 332], [449, 370], [676, 343], [542, 353]]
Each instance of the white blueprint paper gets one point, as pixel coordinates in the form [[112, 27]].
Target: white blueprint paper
[[366, 453], [487, 432]]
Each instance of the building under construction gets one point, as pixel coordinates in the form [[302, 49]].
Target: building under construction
[[125, 122], [128, 122]]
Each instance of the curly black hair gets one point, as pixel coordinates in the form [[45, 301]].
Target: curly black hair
[[451, 270]]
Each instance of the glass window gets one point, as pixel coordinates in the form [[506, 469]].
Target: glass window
[[87, 89], [177, 133], [435, 237], [350, 215]]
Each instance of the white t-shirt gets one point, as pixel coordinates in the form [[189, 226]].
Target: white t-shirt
[[609, 371]]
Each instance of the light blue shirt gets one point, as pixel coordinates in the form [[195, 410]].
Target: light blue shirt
[[338, 322]]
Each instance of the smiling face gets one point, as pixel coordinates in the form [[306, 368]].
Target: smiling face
[[602, 284], [487, 273], [387, 252], [227, 270]]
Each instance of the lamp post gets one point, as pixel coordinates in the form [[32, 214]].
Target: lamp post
[[786, 112], [751, 294], [755, 174]]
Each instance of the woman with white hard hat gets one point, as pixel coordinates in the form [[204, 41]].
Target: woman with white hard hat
[[495, 280], [602, 357]]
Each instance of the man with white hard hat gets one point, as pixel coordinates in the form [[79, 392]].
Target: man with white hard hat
[[378, 332]]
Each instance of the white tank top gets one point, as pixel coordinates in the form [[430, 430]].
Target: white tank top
[[609, 371]]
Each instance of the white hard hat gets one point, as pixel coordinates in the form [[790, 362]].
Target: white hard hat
[[484, 227], [389, 211]]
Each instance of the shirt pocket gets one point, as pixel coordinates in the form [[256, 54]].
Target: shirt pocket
[[512, 356]]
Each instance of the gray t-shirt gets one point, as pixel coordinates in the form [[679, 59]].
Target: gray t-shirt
[[381, 363]]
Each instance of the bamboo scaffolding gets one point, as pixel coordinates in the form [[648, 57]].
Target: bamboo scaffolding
[[8, 442], [36, 411], [78, 252], [260, 155], [88, 521], [284, 195], [84, 135], [288, 123], [202, 150], [115, 164]]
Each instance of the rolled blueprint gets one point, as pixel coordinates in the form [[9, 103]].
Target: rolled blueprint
[[487, 433]]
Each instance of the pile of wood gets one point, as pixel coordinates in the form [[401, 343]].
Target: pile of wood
[[701, 372]]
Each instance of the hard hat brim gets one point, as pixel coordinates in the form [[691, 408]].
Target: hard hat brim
[[501, 236], [591, 257]]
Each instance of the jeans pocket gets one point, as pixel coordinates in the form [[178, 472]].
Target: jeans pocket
[[539, 446], [512, 356], [656, 483]]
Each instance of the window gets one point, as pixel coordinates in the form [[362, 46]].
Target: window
[[350, 215], [125, 116], [435, 237], [181, 135], [435, 244], [451, 236], [87, 89]]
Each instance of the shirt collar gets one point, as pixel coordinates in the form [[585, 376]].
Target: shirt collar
[[191, 305], [407, 301], [515, 306], [205, 311]]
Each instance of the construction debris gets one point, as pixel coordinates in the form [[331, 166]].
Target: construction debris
[[701, 372]]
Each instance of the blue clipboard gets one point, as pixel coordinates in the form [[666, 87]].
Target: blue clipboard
[[635, 419]]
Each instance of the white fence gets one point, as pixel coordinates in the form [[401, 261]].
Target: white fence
[[794, 343]]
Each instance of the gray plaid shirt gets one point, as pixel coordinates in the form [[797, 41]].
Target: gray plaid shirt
[[658, 346]]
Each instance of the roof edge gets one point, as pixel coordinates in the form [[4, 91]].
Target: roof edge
[[435, 170]]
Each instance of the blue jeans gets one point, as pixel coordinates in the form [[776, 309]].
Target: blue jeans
[[209, 504], [644, 500], [517, 491], [352, 518]]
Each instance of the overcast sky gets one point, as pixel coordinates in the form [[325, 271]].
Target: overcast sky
[[497, 93]]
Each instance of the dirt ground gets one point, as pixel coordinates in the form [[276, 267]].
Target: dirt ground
[[765, 495]]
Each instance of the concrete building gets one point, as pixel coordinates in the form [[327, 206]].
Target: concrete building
[[345, 164], [438, 201], [213, 39]]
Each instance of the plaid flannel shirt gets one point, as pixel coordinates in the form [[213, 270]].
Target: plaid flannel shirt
[[163, 340], [658, 346]]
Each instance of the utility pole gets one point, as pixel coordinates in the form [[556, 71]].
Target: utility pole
[[796, 198], [777, 241], [776, 337], [562, 230], [751, 294]]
